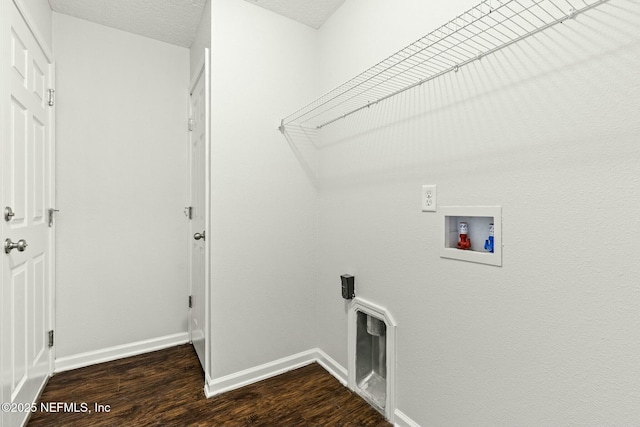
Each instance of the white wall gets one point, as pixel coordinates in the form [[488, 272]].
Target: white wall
[[263, 202], [40, 12], [122, 104], [202, 40], [548, 129]]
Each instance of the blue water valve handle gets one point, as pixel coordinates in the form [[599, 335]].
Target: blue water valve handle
[[488, 244]]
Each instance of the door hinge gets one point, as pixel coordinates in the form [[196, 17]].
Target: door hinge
[[50, 338], [190, 301], [190, 124], [51, 211], [52, 94]]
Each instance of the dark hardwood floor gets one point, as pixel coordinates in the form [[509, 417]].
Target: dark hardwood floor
[[165, 388]]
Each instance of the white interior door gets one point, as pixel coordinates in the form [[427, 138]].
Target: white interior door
[[199, 229], [26, 155]]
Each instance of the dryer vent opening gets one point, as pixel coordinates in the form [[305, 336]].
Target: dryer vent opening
[[372, 355], [371, 359]]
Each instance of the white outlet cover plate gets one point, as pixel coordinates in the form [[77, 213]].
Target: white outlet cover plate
[[429, 198]]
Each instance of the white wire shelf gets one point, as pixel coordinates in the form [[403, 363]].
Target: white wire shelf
[[480, 31]]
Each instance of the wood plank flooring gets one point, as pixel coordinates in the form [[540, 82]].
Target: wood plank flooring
[[165, 388]]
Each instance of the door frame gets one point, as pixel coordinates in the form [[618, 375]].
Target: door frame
[[50, 188], [203, 71]]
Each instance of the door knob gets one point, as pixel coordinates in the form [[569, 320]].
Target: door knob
[[199, 236], [8, 213], [20, 245]]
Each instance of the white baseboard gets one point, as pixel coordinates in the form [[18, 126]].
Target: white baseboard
[[271, 369], [259, 373], [119, 352], [402, 420], [331, 366]]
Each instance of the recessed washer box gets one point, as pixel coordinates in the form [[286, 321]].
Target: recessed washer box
[[478, 219]]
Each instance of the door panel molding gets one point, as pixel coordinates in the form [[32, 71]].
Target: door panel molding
[[33, 28], [26, 185], [199, 191]]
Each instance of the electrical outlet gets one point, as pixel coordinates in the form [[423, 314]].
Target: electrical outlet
[[428, 198]]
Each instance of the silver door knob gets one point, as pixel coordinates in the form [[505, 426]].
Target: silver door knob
[[20, 245], [8, 213], [199, 236]]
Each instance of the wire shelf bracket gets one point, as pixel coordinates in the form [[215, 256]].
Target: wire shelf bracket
[[482, 30]]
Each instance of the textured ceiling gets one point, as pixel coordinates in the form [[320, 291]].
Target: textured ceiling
[[176, 21], [311, 12], [171, 21]]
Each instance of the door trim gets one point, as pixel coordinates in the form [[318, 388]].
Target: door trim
[[52, 229]]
